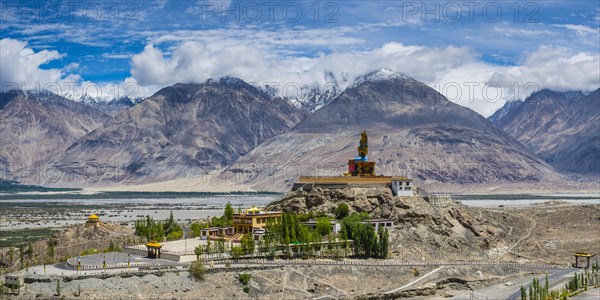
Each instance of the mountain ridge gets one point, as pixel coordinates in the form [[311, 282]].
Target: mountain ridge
[[35, 128], [182, 130], [560, 127], [413, 130]]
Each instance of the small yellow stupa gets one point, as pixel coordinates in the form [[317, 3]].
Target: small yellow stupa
[[92, 221]]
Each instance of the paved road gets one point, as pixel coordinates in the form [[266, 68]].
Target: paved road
[[553, 276], [593, 294]]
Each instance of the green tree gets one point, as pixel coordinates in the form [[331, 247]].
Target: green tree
[[175, 234], [11, 255], [247, 243], [208, 248], [57, 287], [29, 251], [236, 252], [384, 237], [221, 245], [323, 226], [546, 288], [342, 211], [21, 255], [198, 251], [50, 250], [228, 214], [523, 293]]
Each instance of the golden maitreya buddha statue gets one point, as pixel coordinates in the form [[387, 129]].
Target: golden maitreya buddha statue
[[363, 147]]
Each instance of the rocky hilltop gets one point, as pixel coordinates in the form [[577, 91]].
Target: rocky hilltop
[[419, 226]]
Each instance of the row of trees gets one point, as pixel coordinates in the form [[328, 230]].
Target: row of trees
[[536, 290], [158, 230], [367, 242], [285, 236]]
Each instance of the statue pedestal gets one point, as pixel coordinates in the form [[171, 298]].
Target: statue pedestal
[[360, 168]]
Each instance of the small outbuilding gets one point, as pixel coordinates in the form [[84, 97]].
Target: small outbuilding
[[14, 282], [153, 249]]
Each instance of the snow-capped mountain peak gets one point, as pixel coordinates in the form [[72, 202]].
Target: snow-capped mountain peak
[[379, 75], [313, 97]]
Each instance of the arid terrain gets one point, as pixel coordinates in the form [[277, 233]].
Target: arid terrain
[[290, 282], [463, 240]]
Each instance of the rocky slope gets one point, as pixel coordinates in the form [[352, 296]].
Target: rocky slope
[[38, 127], [560, 127], [182, 130], [413, 130]]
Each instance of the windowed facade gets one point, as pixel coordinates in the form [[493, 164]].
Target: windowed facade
[[254, 218]]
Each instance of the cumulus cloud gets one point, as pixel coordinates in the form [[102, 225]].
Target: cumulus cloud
[[22, 66], [456, 72]]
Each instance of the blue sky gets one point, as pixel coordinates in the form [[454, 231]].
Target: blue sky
[[157, 43]]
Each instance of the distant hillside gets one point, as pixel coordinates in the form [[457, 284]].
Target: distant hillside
[[38, 127], [560, 127], [181, 131], [413, 130]]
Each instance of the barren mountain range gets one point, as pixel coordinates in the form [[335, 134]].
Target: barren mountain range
[[229, 129], [563, 128], [38, 127], [413, 130], [183, 130]]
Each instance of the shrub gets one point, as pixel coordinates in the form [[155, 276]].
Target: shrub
[[244, 278], [342, 211], [197, 270], [415, 272], [246, 289]]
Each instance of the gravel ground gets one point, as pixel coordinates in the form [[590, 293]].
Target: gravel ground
[[290, 282]]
